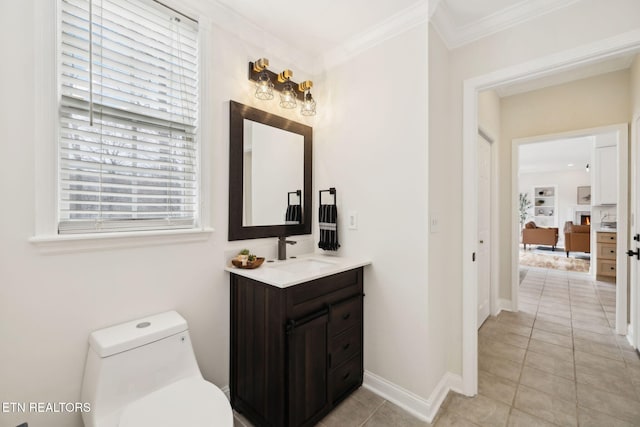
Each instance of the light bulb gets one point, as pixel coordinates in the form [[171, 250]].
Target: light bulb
[[264, 87], [288, 97]]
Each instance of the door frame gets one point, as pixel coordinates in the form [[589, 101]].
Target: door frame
[[633, 334], [547, 65], [622, 209]]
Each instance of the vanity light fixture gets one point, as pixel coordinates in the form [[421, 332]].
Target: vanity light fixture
[[287, 95], [290, 92], [264, 87], [308, 107]]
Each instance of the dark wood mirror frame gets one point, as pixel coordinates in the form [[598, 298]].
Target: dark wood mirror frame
[[239, 112]]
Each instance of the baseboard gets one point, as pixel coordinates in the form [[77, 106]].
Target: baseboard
[[503, 305], [423, 409]]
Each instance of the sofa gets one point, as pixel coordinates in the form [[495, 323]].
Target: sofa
[[534, 235], [577, 238]]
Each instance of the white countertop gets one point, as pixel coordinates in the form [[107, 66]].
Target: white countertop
[[303, 268]]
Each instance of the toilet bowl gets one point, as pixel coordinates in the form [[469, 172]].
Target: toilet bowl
[[144, 373]]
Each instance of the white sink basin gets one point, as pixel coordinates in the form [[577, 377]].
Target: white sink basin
[[309, 265]]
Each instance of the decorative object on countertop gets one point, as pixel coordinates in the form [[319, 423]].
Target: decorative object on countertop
[[245, 259], [294, 212], [328, 219]]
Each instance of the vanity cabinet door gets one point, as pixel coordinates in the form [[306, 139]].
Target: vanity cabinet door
[[307, 368]]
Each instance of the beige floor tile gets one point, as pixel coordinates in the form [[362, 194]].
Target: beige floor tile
[[499, 334], [516, 317], [617, 382], [496, 387], [604, 350], [554, 319], [553, 385], [499, 349], [552, 338], [368, 398], [631, 358], [480, 409], [450, 419], [555, 311], [550, 408], [553, 350], [391, 415], [550, 364], [609, 403], [518, 418], [598, 362], [350, 413], [591, 418], [595, 337], [556, 328], [498, 366], [600, 329]]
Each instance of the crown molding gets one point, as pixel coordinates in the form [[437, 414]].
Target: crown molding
[[393, 26], [455, 36]]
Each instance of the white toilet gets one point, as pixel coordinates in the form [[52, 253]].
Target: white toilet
[[144, 374]]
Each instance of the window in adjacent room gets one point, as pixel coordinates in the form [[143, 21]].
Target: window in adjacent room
[[128, 134]]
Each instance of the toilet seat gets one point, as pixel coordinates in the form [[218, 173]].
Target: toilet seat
[[190, 402]]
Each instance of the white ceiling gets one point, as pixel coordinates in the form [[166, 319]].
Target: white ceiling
[[555, 156], [317, 27]]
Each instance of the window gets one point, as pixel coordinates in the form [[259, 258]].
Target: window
[[128, 139]]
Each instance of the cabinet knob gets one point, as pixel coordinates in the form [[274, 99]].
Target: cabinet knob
[[345, 376], [346, 346], [346, 316]]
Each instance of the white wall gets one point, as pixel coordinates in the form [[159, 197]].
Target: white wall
[[371, 144], [50, 303], [548, 34], [440, 296]]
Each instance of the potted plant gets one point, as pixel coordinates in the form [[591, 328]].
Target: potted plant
[[525, 205]]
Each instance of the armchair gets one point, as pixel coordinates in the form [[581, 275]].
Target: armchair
[[534, 235], [577, 238]]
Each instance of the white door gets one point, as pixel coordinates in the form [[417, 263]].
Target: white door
[[634, 264], [484, 229]]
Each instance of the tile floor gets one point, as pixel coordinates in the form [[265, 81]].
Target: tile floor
[[557, 362]]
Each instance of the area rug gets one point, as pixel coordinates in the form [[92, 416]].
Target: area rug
[[556, 262]]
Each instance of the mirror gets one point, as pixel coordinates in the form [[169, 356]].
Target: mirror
[[269, 175]]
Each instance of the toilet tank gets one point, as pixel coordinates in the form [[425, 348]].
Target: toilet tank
[[128, 361]]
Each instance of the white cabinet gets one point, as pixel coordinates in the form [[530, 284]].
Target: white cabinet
[[545, 212], [605, 172]]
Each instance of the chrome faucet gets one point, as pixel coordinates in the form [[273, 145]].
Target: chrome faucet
[[282, 246]]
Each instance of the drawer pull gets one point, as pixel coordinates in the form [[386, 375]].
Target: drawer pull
[[345, 376], [613, 252], [346, 346], [346, 316], [612, 268]]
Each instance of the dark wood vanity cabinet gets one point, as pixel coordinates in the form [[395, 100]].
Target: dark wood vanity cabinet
[[295, 352]]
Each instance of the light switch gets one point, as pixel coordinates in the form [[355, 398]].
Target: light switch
[[353, 220], [434, 224]]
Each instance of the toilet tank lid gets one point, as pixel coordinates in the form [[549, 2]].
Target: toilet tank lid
[[116, 339]]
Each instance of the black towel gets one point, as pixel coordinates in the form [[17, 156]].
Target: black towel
[[328, 219], [293, 215]]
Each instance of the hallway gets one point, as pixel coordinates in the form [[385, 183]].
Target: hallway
[[556, 362]]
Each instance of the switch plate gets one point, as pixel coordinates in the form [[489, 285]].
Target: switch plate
[[353, 220], [434, 224]]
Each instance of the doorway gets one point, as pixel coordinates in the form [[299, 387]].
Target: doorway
[[471, 87]]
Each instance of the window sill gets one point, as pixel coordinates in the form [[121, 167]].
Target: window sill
[[52, 244]]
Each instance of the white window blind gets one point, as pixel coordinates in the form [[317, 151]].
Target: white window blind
[[128, 151]]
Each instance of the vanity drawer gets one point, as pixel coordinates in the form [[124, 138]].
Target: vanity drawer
[[346, 345], [345, 378], [606, 267], [606, 251], [604, 237], [345, 315], [312, 296]]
